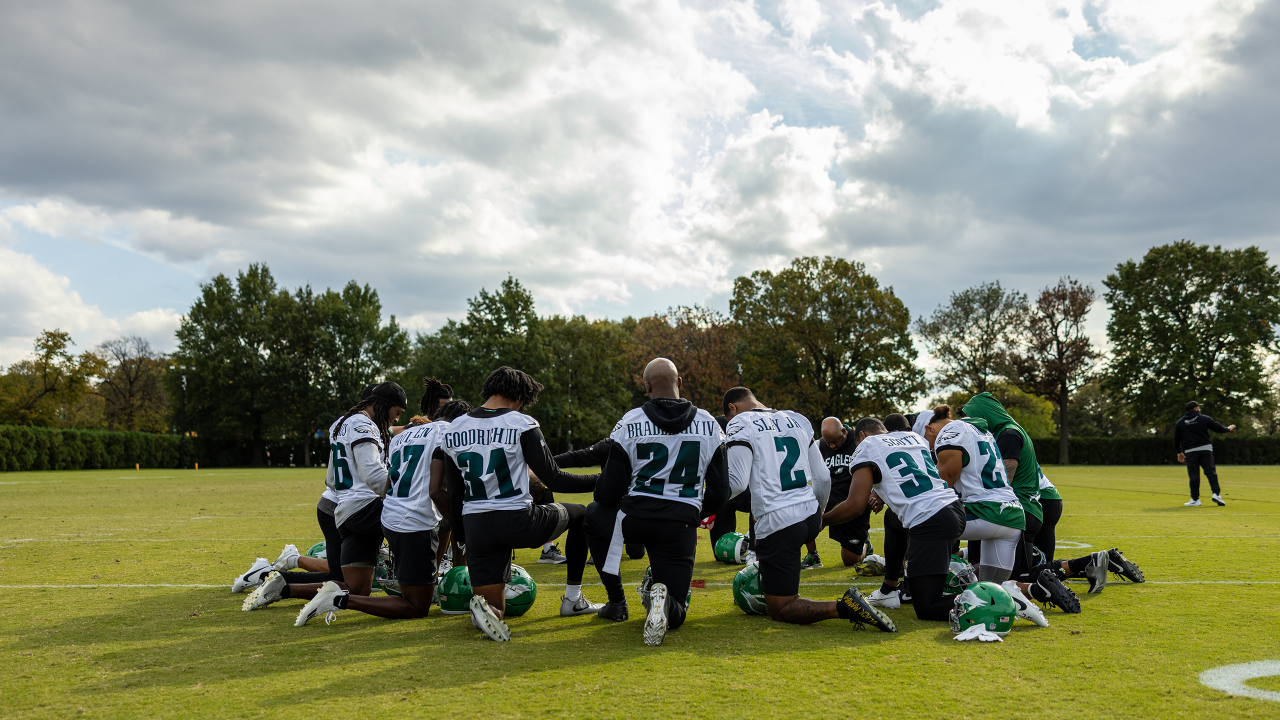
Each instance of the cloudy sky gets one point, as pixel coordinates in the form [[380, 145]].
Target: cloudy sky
[[616, 157]]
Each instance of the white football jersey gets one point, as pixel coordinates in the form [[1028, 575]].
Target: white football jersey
[[904, 474], [353, 488], [664, 465], [982, 479], [330, 493], [407, 506], [780, 473], [1044, 482], [487, 452]]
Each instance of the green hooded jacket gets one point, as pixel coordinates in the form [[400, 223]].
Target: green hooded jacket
[[1026, 479]]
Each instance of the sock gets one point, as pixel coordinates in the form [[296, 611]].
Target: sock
[[573, 592], [547, 547], [340, 602], [1039, 593], [842, 610], [1078, 565], [887, 589], [284, 592]]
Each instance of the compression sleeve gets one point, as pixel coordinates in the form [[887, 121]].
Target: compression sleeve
[[739, 462], [369, 465], [616, 476], [538, 457], [821, 475], [1010, 444], [453, 483], [717, 484], [595, 455]]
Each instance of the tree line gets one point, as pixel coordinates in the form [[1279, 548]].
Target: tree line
[[267, 369]]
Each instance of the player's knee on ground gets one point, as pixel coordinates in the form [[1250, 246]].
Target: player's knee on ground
[[850, 558]]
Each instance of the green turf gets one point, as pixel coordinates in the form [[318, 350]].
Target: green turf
[[108, 650]]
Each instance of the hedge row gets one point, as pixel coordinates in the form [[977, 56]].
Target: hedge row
[[36, 448], [1158, 451]]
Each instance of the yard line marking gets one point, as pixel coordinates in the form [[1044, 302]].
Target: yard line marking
[[1234, 498], [1231, 679]]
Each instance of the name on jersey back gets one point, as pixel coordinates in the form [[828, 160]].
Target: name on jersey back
[[644, 428], [482, 436]]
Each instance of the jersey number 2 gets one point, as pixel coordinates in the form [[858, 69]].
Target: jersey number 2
[[790, 477]]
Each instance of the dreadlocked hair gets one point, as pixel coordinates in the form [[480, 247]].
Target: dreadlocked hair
[[453, 410], [942, 412], [511, 384], [380, 410], [433, 391]]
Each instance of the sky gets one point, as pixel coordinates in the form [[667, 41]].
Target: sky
[[617, 158]]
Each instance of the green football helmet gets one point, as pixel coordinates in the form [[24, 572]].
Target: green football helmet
[[521, 591], [455, 591], [747, 593], [318, 551], [731, 548], [986, 604], [960, 575], [384, 574]]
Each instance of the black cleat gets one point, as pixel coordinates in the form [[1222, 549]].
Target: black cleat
[[864, 613], [1121, 566], [615, 611], [1059, 595]]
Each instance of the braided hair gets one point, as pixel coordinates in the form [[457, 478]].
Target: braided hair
[[381, 411], [511, 384], [433, 391], [942, 412]]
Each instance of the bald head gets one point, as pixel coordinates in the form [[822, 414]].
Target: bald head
[[661, 379], [833, 432]]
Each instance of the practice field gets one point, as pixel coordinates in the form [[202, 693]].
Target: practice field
[[117, 602]]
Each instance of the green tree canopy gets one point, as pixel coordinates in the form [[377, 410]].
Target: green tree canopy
[[973, 337], [50, 388]]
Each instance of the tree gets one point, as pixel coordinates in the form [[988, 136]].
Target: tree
[[823, 338], [973, 337], [1059, 356], [1191, 322], [1034, 414], [133, 385], [587, 385], [700, 341], [1095, 413], [48, 388]]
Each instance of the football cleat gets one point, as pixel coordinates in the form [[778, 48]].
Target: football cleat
[[288, 559], [1192, 503], [1096, 572], [864, 613], [646, 582], [552, 556], [811, 561], [750, 558], [1121, 566], [324, 603], [1218, 499], [655, 622], [266, 593], [1027, 610], [487, 621], [581, 606], [889, 601], [1059, 595], [615, 611], [871, 566], [253, 578]]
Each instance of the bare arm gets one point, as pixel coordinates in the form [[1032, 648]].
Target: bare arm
[[856, 503], [951, 463]]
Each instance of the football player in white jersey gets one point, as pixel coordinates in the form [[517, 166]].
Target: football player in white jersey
[[900, 469], [491, 451], [664, 473], [773, 453]]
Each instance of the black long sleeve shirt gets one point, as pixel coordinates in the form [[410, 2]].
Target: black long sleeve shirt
[[1192, 431]]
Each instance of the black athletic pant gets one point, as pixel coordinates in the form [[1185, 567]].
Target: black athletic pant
[[727, 519], [671, 546], [332, 549], [1023, 561], [895, 546], [1195, 461], [1047, 538]]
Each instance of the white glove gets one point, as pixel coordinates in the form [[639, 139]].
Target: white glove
[[978, 632]]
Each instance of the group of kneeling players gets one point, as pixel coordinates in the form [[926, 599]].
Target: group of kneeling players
[[459, 488]]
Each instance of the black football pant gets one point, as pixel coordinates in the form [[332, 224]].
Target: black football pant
[[332, 549], [895, 546], [1024, 560], [727, 519], [671, 546], [1047, 538], [1197, 460]]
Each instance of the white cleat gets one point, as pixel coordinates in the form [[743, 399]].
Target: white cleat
[[655, 623], [890, 601], [253, 578], [288, 559], [266, 593], [1218, 499], [1192, 503], [750, 559], [324, 603], [487, 621], [581, 606], [1027, 610], [1096, 572]]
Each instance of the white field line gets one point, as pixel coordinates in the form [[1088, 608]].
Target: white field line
[[1231, 679], [560, 585]]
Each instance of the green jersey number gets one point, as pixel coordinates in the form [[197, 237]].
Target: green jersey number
[[917, 480], [684, 473], [991, 475], [342, 479], [791, 478], [400, 481], [473, 472]]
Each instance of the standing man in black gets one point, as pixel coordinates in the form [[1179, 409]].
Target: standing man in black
[[837, 452], [1191, 440]]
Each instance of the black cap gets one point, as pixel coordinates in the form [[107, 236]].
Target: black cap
[[365, 393], [1192, 405], [390, 392]]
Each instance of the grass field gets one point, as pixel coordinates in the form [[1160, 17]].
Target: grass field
[[116, 602]]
